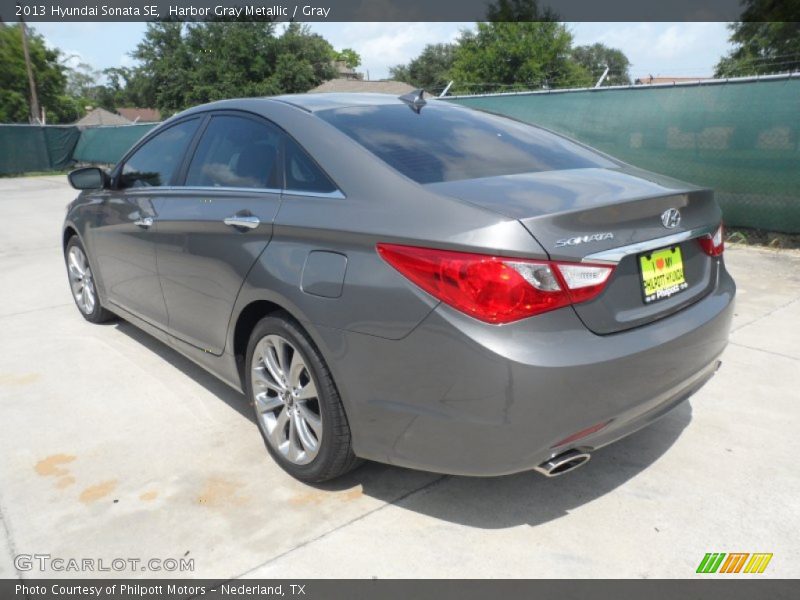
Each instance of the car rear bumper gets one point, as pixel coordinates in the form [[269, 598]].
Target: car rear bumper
[[462, 397]]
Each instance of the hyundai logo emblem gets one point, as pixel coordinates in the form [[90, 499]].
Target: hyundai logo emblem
[[671, 218]]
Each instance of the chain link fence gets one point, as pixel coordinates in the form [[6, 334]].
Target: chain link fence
[[740, 137]]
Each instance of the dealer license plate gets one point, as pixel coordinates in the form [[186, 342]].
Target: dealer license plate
[[662, 274]]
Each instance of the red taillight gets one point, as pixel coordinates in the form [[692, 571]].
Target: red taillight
[[496, 289], [713, 245]]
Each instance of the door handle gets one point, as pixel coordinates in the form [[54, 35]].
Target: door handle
[[144, 222], [243, 221]]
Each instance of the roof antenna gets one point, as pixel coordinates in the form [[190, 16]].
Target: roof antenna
[[415, 100]]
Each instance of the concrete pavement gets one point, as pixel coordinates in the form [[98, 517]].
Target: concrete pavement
[[114, 446]]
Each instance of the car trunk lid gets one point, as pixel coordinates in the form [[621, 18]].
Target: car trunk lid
[[608, 216]]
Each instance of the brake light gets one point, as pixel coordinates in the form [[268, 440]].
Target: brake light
[[495, 289], [713, 245]]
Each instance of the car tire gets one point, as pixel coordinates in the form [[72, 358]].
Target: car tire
[[295, 401], [82, 285]]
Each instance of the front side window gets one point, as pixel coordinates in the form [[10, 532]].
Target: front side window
[[448, 143], [236, 152], [156, 161]]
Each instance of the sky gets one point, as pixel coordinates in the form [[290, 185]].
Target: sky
[[665, 49]]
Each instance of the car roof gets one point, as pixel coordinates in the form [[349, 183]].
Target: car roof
[[326, 101]]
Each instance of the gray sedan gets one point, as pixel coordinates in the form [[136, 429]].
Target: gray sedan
[[408, 282]]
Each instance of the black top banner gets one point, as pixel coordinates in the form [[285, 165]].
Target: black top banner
[[383, 10]]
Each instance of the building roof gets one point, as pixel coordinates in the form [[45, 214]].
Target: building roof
[[650, 80], [140, 115], [313, 102], [100, 116], [398, 88]]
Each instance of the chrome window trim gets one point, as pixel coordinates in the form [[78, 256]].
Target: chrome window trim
[[334, 194], [157, 189], [615, 255], [214, 188], [197, 188]]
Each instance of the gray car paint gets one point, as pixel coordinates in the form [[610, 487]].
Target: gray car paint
[[423, 385]]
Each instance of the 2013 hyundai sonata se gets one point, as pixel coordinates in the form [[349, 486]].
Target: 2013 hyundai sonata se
[[414, 283]]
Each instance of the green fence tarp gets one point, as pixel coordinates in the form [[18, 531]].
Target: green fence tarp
[[740, 138], [26, 148], [108, 144]]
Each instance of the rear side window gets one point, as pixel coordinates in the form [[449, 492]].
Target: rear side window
[[447, 143], [302, 173], [236, 152], [156, 161]]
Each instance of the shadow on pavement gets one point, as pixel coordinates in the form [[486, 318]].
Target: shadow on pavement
[[529, 498], [486, 503], [221, 390]]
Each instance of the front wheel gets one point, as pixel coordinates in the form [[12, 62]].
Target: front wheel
[[296, 403], [81, 283]]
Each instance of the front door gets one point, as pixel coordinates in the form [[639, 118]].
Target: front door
[[212, 229], [121, 237]]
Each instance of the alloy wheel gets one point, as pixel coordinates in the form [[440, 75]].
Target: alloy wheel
[[81, 281], [286, 399]]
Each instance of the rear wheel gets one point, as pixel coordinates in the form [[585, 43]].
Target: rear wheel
[[81, 282], [296, 403]]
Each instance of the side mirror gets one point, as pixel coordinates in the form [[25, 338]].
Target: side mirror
[[88, 178]]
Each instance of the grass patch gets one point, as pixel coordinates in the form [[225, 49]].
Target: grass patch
[[744, 236]]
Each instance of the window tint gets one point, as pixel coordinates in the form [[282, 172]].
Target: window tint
[[447, 143], [302, 173], [155, 162], [236, 152]]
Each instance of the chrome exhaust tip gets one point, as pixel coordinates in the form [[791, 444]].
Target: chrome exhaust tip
[[563, 463]]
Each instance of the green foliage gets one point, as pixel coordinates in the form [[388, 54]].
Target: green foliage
[[522, 55], [49, 75], [124, 87], [596, 57], [13, 107], [767, 40], [187, 64], [522, 47], [519, 10], [299, 43], [349, 56], [430, 70]]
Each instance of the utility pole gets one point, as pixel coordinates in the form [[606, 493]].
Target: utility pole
[[35, 116]]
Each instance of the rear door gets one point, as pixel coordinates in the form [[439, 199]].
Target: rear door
[[213, 228]]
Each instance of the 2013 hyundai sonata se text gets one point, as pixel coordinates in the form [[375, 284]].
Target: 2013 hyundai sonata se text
[[409, 282]]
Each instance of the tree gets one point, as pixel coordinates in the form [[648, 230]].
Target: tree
[[124, 87], [165, 66], [349, 57], [81, 80], [49, 76], [186, 64], [302, 45], [767, 40], [597, 57], [519, 10], [430, 70], [516, 55]]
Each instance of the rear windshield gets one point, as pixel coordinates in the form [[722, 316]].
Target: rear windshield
[[447, 143]]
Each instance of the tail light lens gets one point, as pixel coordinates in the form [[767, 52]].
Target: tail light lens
[[713, 245], [496, 289]]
